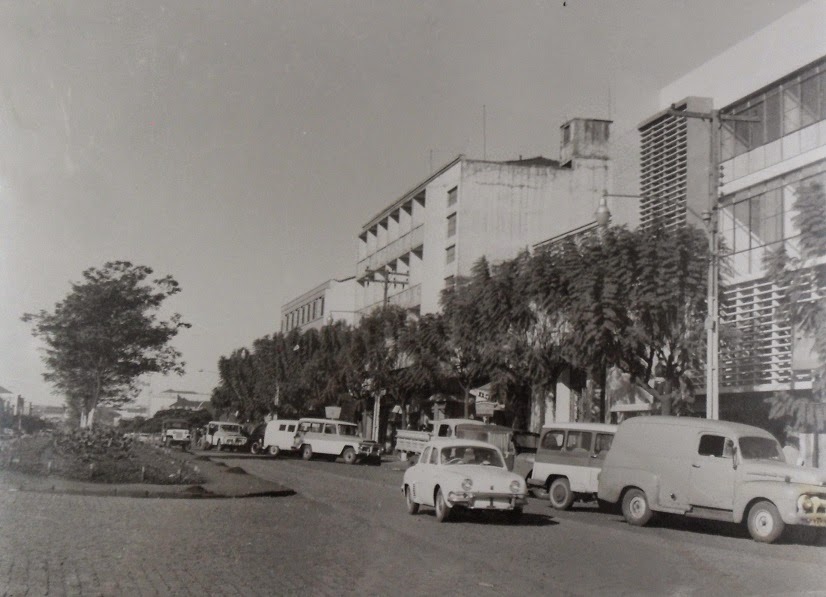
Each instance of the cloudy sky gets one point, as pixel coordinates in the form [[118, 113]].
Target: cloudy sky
[[240, 146]]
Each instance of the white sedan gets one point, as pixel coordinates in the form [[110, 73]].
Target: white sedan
[[461, 473]]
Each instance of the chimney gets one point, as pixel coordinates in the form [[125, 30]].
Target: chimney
[[583, 138]]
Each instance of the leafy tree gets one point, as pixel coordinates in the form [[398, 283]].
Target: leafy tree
[[106, 334], [800, 281]]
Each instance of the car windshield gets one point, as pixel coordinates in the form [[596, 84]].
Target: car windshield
[[760, 448], [471, 455], [177, 425], [348, 430], [231, 428]]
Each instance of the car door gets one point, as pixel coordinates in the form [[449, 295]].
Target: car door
[[417, 473], [712, 472], [602, 443], [578, 462], [429, 477]]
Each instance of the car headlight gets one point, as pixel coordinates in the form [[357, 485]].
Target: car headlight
[[467, 484], [515, 486], [805, 503]]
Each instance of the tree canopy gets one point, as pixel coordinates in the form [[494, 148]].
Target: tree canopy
[[106, 334]]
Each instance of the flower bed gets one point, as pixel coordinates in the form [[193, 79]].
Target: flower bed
[[100, 455]]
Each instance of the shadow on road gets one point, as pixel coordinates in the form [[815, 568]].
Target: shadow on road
[[496, 518]]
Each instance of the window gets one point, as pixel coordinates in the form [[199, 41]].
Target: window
[[450, 254], [553, 440], [451, 225], [425, 455], [282, 427], [290, 428], [809, 112], [444, 431], [603, 442], [450, 281], [712, 445], [330, 429], [321, 307], [578, 440], [452, 196]]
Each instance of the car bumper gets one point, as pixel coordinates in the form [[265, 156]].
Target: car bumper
[[487, 501]]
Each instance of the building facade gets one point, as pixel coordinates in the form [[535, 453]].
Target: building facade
[[781, 87], [468, 209], [334, 300]]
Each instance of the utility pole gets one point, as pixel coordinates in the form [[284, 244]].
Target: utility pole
[[388, 278], [711, 219]]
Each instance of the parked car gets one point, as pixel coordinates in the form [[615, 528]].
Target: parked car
[[568, 460], [279, 436], [710, 469], [334, 438], [526, 443], [466, 474], [410, 442], [255, 439], [175, 432], [221, 435]]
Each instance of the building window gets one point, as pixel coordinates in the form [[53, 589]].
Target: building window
[[452, 196], [782, 109], [451, 225], [566, 134], [450, 254], [321, 307], [450, 281]]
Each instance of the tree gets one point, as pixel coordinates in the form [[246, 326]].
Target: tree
[[800, 280], [106, 334]]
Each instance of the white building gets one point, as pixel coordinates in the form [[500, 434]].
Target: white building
[[332, 301], [435, 232], [778, 77]]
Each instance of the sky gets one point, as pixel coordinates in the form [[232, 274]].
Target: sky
[[240, 146]]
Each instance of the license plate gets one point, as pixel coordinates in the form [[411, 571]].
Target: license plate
[[491, 504]]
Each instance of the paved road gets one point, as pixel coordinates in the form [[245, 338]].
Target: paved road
[[347, 533]]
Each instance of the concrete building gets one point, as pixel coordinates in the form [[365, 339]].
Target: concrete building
[[435, 232], [778, 77], [334, 300]]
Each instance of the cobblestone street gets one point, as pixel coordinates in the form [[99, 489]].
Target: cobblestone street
[[346, 532]]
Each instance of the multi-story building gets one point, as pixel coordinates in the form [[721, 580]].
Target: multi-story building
[[777, 77], [334, 300], [468, 209]]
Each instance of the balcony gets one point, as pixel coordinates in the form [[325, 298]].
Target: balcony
[[408, 298], [392, 251]]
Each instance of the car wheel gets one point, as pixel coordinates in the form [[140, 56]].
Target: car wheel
[[560, 494], [412, 507], [443, 509], [306, 452], [255, 448], [349, 456], [273, 450], [765, 524], [515, 515], [635, 507]]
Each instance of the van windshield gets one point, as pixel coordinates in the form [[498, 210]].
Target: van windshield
[[760, 448]]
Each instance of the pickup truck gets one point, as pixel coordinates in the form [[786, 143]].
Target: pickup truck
[[413, 442]]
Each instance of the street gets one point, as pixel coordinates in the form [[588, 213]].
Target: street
[[347, 532]]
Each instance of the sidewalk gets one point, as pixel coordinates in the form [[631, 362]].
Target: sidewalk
[[221, 481]]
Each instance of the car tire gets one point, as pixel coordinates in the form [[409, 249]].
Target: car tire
[[443, 510], [635, 507], [764, 522], [560, 494], [349, 456], [255, 448], [306, 451], [273, 450], [412, 507]]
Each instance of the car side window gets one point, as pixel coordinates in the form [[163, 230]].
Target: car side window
[[291, 428], [712, 445], [425, 455], [316, 427], [444, 431], [281, 427], [603, 442], [553, 440], [578, 441], [330, 429]]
